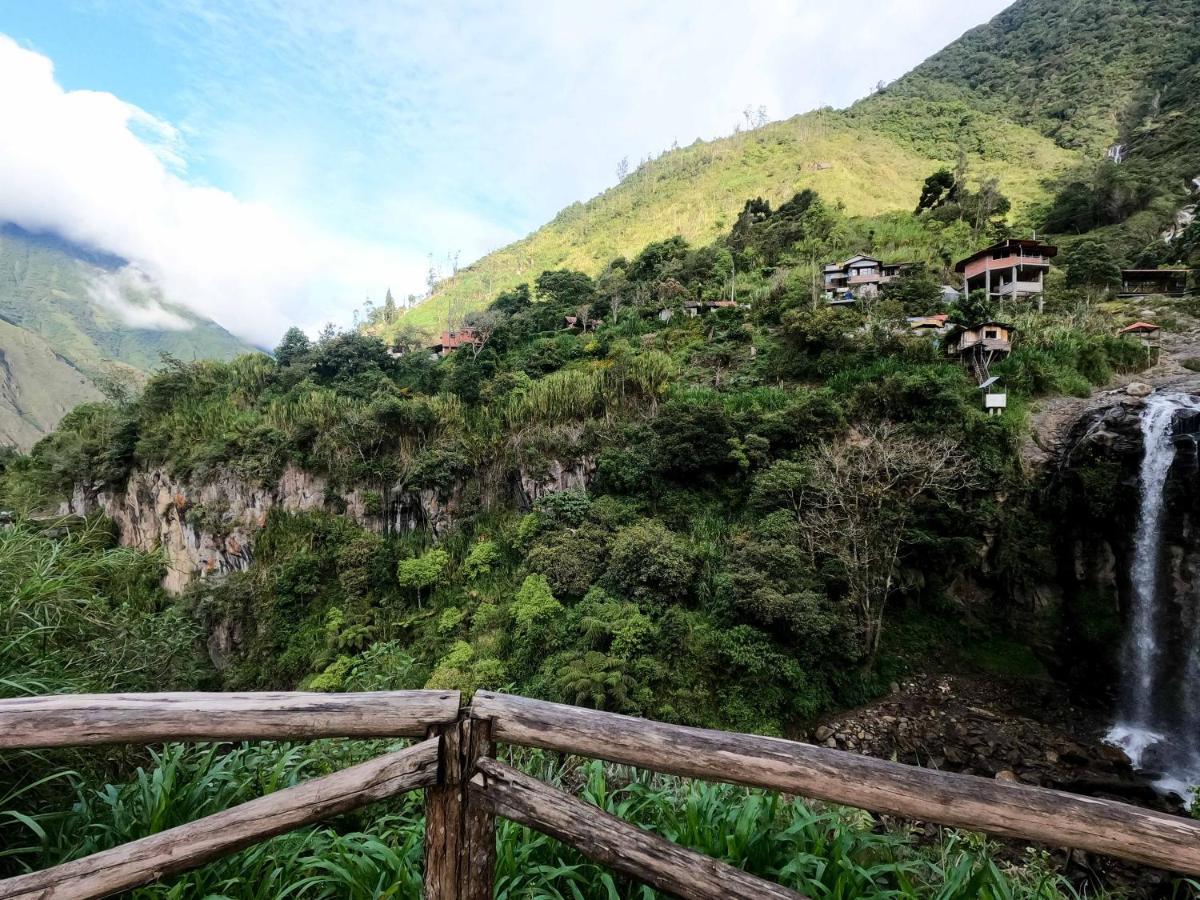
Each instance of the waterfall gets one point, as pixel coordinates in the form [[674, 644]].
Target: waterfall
[[1159, 716]]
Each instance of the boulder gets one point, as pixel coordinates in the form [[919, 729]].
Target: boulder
[[1138, 389]]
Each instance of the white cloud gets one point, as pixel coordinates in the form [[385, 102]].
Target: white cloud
[[113, 290], [102, 172]]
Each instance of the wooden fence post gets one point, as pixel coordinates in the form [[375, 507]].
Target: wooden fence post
[[460, 835]]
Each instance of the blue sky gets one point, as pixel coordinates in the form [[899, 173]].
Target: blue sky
[[367, 134]]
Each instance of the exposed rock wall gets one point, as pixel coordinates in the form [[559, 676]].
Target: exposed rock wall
[[203, 527], [209, 527]]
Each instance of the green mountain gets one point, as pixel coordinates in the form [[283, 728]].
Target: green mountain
[[1033, 98], [71, 321]]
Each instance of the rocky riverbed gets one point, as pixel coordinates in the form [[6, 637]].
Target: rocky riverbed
[[1028, 733]]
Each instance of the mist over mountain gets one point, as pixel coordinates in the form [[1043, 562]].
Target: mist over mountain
[[78, 322]]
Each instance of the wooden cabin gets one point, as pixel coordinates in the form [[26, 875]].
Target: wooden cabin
[[978, 346], [1012, 269], [1140, 282], [990, 337]]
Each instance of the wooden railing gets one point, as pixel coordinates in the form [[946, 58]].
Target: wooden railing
[[466, 787]]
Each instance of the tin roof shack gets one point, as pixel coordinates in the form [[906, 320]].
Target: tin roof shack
[[1139, 282], [978, 346], [927, 324], [1012, 269]]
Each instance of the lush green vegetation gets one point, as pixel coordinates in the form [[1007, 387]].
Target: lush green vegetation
[[759, 490], [739, 519], [688, 581]]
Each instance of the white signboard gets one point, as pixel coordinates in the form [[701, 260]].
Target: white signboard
[[995, 401]]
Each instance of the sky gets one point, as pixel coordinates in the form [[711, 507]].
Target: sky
[[277, 162]]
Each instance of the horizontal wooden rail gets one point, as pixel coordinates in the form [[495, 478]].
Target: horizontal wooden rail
[[179, 849], [639, 854], [1011, 810], [76, 719]]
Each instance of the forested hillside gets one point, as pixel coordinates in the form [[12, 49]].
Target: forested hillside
[[1033, 99]]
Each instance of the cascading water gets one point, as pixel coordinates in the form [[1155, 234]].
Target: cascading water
[[1159, 716]]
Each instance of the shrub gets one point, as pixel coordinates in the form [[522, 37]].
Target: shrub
[[649, 563], [534, 603], [483, 557]]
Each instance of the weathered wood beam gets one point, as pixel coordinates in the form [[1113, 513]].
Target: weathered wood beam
[[965, 801], [460, 834], [75, 719], [188, 846], [614, 842]]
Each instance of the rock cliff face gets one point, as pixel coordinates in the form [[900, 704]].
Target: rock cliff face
[[209, 527], [203, 528]]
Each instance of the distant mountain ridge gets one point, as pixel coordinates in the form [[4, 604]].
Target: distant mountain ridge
[[1033, 94], [66, 330]]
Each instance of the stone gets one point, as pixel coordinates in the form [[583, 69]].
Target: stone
[[1007, 775], [823, 733], [1138, 389]]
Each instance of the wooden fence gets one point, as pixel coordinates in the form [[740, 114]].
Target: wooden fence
[[466, 787]]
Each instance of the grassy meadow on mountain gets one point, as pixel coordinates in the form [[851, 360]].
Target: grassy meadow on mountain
[[627, 493]]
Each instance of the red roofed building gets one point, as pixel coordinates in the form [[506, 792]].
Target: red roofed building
[[452, 340], [1012, 269]]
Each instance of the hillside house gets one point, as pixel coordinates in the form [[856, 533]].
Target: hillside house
[[1012, 269], [858, 277], [1138, 282], [456, 338]]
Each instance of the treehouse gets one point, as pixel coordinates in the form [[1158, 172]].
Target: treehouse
[[978, 346], [858, 277], [1013, 269], [1141, 282]]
